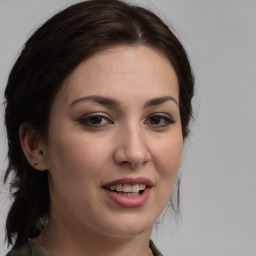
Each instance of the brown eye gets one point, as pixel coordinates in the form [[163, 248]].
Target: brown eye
[[95, 120], [159, 120]]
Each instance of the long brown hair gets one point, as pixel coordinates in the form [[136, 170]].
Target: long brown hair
[[47, 58]]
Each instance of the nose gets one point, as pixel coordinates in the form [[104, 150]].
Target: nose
[[131, 148]]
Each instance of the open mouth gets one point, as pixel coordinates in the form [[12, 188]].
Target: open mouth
[[127, 189]]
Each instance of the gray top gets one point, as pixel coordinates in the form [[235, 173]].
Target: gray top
[[31, 248]]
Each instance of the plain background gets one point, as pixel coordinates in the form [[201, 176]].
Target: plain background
[[219, 167]]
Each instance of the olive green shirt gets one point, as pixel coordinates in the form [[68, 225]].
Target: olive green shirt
[[33, 249]]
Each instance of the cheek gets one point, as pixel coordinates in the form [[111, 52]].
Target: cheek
[[75, 167], [75, 156], [168, 156]]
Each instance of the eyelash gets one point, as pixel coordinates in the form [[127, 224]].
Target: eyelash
[[87, 120], [168, 120]]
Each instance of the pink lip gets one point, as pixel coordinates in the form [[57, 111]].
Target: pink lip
[[130, 181], [129, 201]]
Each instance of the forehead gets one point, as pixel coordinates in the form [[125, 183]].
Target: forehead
[[130, 70]]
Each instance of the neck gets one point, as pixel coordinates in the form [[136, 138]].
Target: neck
[[67, 240]]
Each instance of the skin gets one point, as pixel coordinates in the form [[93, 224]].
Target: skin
[[83, 153]]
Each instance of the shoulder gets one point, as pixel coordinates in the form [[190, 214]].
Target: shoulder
[[154, 250], [22, 251], [30, 248]]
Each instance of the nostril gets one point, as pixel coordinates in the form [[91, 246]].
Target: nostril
[[125, 163], [131, 153]]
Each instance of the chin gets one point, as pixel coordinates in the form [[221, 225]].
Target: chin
[[129, 226]]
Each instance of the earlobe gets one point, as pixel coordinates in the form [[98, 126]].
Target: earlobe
[[32, 147]]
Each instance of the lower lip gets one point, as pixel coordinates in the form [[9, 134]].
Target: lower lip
[[129, 201]]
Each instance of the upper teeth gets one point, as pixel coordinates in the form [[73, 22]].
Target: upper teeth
[[128, 188]]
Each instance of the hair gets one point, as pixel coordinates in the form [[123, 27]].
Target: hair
[[46, 60]]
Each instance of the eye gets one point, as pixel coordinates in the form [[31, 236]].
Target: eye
[[159, 120], [95, 120]]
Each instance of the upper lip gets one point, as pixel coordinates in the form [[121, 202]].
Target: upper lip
[[130, 181]]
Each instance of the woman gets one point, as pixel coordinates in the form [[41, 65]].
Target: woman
[[97, 109]]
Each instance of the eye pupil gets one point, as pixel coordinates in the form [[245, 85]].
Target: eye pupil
[[96, 120], [155, 119]]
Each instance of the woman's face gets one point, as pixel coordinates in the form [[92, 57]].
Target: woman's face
[[115, 142]]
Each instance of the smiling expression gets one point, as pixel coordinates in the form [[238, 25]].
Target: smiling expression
[[115, 142]]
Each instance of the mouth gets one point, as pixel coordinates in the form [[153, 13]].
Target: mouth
[[129, 192], [127, 189]]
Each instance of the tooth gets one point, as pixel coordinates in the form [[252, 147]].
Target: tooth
[[128, 194], [135, 188], [119, 187], [127, 188], [142, 186], [113, 187]]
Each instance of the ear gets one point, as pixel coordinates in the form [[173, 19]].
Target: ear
[[33, 147]]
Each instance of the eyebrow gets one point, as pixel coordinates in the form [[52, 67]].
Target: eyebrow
[[159, 101], [114, 103], [101, 100]]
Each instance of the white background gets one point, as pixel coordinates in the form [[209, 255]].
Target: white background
[[219, 167]]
